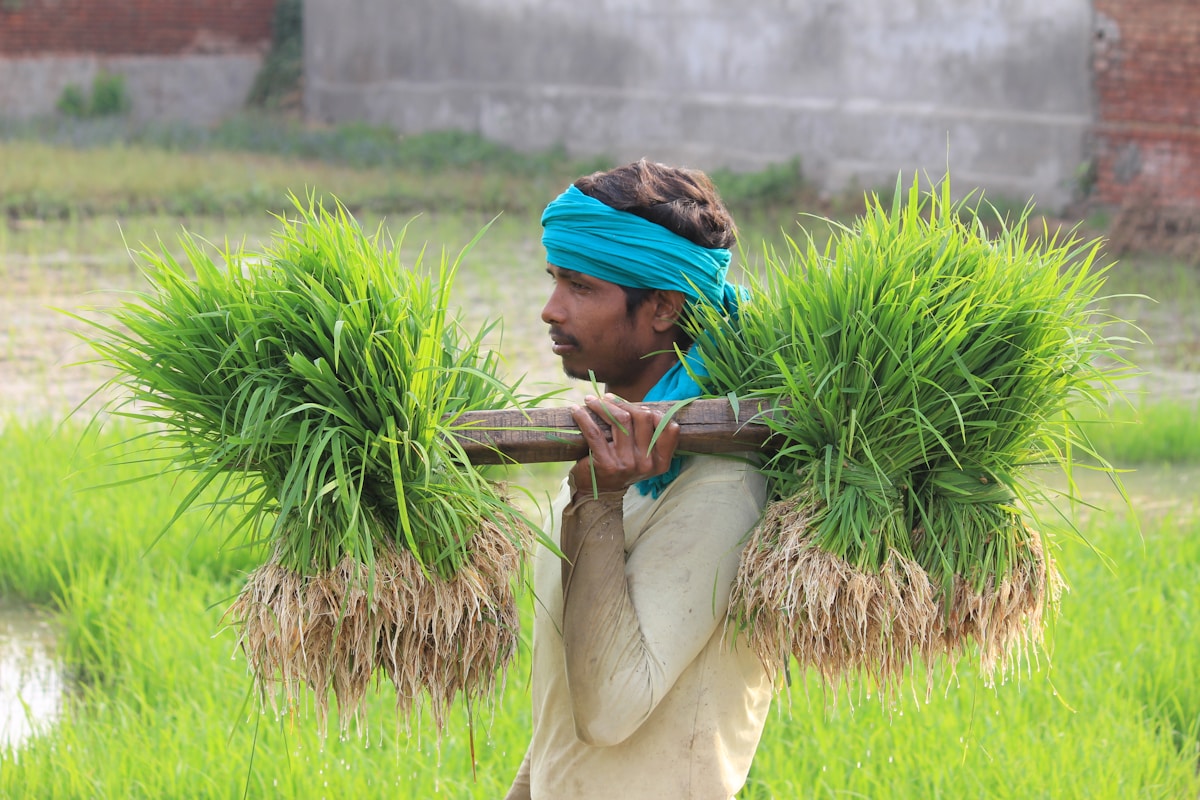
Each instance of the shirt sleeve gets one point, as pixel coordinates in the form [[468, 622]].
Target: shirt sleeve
[[632, 622]]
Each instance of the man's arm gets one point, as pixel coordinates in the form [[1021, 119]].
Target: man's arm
[[630, 629], [632, 626], [599, 621]]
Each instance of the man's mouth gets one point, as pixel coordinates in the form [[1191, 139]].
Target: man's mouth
[[561, 343]]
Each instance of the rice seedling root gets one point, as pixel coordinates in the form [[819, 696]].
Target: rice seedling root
[[799, 600], [1005, 617], [335, 630], [795, 599]]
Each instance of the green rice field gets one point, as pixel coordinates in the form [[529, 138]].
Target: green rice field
[[128, 681]]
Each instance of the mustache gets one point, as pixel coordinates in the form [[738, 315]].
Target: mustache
[[562, 338]]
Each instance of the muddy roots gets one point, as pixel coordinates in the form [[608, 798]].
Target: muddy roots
[[796, 599], [1004, 618], [317, 631], [332, 631], [446, 637]]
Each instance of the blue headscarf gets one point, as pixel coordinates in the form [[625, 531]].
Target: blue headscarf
[[583, 234], [586, 235]]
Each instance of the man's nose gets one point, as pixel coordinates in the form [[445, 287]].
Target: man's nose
[[552, 312]]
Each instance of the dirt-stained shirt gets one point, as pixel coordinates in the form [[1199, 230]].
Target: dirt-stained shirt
[[682, 702]]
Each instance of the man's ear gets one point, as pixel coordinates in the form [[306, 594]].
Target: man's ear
[[668, 305]]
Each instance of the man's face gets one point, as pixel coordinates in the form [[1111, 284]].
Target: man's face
[[592, 330]]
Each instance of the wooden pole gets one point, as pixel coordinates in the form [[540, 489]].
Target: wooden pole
[[549, 434]]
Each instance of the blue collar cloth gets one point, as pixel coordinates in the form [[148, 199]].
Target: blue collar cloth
[[678, 383]]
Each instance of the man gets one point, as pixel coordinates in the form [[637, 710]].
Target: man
[[639, 688]]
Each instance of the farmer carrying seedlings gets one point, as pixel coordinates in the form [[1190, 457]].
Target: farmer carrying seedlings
[[639, 687]]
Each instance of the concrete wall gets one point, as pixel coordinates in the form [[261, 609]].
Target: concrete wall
[[196, 89], [192, 60], [859, 89]]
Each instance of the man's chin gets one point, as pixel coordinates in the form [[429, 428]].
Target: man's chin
[[580, 373], [577, 374]]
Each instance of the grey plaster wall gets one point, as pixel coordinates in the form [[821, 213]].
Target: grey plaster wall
[[200, 89], [859, 89]]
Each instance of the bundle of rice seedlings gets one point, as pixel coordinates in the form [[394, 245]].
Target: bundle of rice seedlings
[[312, 389], [927, 367]]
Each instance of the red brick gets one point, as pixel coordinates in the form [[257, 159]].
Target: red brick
[[133, 27], [1147, 83]]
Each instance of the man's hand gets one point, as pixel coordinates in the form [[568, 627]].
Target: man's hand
[[621, 455]]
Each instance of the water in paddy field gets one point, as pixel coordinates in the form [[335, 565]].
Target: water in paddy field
[[31, 677]]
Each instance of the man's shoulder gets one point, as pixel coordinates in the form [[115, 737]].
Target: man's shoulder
[[715, 498], [707, 480], [707, 470]]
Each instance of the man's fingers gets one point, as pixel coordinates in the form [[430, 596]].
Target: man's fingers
[[612, 413], [668, 439], [624, 441], [644, 425], [636, 422], [592, 432]]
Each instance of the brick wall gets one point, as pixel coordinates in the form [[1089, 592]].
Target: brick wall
[[1147, 82], [133, 27]]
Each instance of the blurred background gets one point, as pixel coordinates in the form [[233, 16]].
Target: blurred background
[[125, 122], [1058, 100]]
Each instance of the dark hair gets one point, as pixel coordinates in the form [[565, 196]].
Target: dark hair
[[684, 201]]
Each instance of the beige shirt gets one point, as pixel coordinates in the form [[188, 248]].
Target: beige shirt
[[682, 702]]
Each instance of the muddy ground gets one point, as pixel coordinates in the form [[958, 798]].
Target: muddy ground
[[43, 369], [47, 369], [40, 369]]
